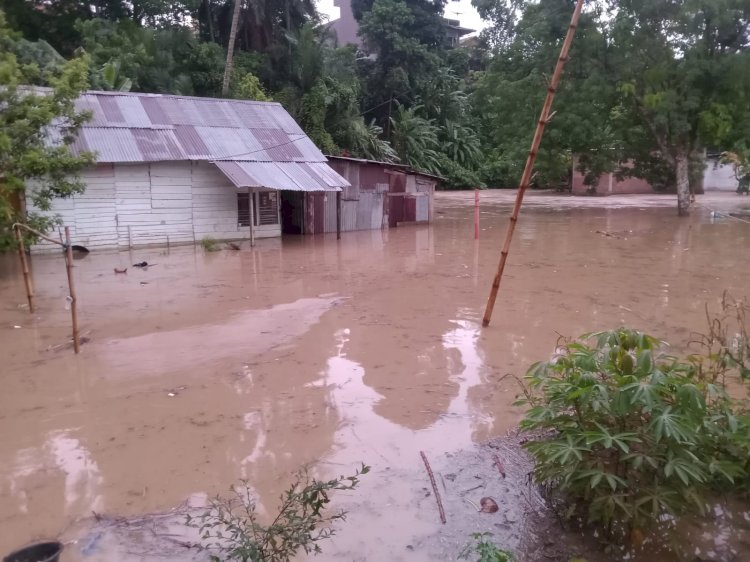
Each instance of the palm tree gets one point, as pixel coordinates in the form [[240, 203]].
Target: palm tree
[[230, 48]]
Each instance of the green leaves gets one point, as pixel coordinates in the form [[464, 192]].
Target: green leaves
[[29, 119], [230, 524], [628, 434]]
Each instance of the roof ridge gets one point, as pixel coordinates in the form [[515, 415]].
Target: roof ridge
[[176, 96]]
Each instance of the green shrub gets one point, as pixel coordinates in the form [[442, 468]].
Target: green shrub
[[209, 244], [483, 550], [230, 526], [628, 434]]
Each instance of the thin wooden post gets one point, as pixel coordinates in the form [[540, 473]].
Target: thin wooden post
[[544, 118], [71, 286], [251, 209], [338, 215], [25, 268], [476, 214]]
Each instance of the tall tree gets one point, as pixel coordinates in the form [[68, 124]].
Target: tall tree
[[509, 94], [230, 48], [683, 67]]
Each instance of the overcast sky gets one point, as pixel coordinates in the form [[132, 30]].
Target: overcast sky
[[455, 9]]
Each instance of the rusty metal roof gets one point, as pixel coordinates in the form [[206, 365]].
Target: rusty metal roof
[[261, 141], [288, 176]]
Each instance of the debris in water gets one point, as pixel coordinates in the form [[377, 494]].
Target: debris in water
[[488, 505], [233, 246], [434, 487], [16, 327], [121, 270], [176, 391], [143, 264]]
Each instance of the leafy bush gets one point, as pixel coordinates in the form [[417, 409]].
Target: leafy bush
[[483, 550], [629, 434], [231, 527], [209, 244]]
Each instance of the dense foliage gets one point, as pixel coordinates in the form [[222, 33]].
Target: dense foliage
[[37, 126], [628, 434], [650, 84]]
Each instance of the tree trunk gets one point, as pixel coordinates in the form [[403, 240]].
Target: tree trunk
[[682, 177], [697, 171], [209, 20], [230, 48]]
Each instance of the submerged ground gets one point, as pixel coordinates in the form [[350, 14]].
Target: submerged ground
[[211, 367]]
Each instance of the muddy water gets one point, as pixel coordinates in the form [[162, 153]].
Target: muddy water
[[206, 368]]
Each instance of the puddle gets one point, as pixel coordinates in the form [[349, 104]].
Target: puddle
[[207, 368]]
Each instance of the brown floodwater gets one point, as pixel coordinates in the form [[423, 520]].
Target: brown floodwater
[[211, 367]]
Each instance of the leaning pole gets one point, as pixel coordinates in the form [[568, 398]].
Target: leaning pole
[[544, 118]]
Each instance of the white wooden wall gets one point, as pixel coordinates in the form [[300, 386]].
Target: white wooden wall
[[152, 204]]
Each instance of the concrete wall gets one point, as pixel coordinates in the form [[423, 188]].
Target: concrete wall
[[155, 203], [717, 177], [610, 185]]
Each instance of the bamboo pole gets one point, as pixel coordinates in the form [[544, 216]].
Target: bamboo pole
[[71, 286], [25, 268], [544, 118]]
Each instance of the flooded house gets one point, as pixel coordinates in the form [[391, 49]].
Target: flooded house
[[175, 169], [379, 195]]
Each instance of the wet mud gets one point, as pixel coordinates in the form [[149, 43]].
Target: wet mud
[[211, 367]]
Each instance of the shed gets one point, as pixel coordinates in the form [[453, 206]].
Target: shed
[[379, 195], [175, 169]]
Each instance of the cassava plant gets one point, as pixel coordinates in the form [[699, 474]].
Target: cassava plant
[[482, 549], [628, 434], [231, 528]]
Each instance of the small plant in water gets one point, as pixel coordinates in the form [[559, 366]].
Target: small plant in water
[[629, 435], [209, 244], [230, 526], [483, 550]]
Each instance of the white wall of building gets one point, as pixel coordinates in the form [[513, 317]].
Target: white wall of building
[[719, 177], [155, 203]]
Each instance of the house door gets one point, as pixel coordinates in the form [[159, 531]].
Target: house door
[[292, 212]]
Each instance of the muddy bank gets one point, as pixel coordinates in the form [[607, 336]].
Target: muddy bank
[[208, 368]]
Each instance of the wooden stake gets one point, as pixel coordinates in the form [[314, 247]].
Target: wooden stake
[[338, 215], [71, 286], [25, 268], [251, 208], [526, 177], [476, 214]]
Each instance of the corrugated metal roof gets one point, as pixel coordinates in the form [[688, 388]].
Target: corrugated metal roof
[[289, 176], [268, 147]]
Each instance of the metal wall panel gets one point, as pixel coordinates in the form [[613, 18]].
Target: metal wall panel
[[423, 208]]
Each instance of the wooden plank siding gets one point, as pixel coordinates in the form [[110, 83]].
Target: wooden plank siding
[[154, 203]]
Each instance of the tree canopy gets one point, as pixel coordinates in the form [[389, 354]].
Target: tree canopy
[[651, 84]]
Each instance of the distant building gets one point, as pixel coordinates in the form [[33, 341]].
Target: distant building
[[346, 27], [716, 177], [454, 31]]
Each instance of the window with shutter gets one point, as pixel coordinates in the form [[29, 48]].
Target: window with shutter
[[268, 208]]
